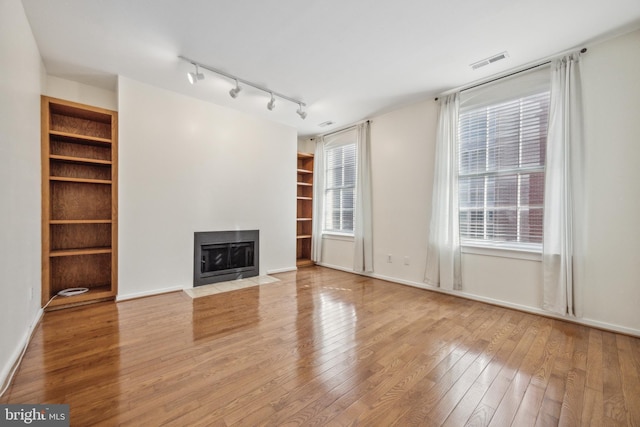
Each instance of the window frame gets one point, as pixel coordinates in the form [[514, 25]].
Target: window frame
[[537, 82], [346, 139]]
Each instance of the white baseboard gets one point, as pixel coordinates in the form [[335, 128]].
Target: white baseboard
[[525, 308], [8, 368], [338, 267], [282, 270], [148, 293]]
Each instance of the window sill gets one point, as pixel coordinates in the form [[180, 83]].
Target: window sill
[[529, 254], [338, 236]]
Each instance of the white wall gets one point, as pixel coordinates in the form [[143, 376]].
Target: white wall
[[611, 73], [187, 165], [402, 151], [402, 154], [77, 92], [20, 251], [306, 145]]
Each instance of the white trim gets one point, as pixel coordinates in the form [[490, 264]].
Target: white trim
[[149, 293], [524, 308], [337, 267], [12, 365], [533, 310], [503, 252], [337, 236], [281, 270]]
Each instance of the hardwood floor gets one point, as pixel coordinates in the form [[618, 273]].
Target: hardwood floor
[[323, 347]]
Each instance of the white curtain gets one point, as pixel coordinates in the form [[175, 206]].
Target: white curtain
[[318, 199], [363, 232], [563, 187], [443, 248]]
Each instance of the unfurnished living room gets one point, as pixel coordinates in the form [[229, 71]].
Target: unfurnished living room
[[244, 213]]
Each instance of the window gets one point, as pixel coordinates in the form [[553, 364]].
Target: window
[[340, 183], [502, 147]]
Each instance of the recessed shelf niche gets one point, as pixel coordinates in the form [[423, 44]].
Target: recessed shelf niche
[[304, 220], [79, 202]]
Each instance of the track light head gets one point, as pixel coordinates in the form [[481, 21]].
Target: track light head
[[272, 103], [195, 76], [235, 91], [302, 114]]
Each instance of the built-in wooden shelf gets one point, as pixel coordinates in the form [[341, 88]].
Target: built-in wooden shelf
[[82, 251], [80, 180], [79, 202], [81, 160], [79, 221], [304, 219], [80, 138], [95, 294]]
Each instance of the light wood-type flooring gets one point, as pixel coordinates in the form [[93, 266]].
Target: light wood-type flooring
[[324, 347]]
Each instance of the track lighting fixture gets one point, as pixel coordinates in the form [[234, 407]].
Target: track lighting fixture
[[301, 113], [272, 104], [197, 75], [235, 91], [194, 77]]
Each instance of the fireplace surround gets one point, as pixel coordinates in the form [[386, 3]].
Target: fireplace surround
[[220, 256]]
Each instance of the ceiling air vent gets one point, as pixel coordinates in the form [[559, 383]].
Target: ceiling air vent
[[325, 124], [490, 60]]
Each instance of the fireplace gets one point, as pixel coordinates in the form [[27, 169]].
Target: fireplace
[[225, 255]]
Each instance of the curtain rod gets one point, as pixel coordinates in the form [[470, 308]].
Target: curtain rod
[[583, 50], [344, 129]]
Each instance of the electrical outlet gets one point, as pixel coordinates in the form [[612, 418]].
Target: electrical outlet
[[406, 260], [389, 260]]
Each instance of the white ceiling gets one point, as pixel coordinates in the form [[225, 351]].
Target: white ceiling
[[347, 59]]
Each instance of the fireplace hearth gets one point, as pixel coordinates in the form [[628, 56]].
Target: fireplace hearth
[[220, 256]]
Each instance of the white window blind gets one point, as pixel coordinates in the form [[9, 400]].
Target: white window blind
[[502, 147], [340, 183]]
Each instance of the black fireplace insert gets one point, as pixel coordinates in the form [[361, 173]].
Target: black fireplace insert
[[225, 255]]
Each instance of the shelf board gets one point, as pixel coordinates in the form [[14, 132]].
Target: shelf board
[[95, 294], [305, 155], [73, 109], [303, 219], [80, 138], [82, 251], [305, 171], [80, 180], [80, 221], [83, 160], [303, 236], [306, 184], [304, 198]]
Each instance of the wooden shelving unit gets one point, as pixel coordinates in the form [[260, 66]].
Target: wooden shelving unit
[[304, 220], [79, 202]]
